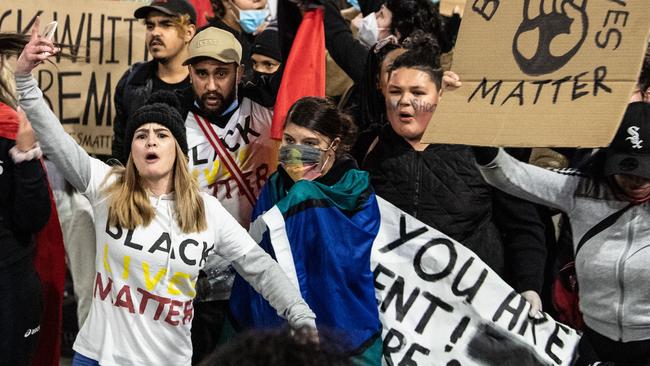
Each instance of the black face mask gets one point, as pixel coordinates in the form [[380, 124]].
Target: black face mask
[[262, 79]]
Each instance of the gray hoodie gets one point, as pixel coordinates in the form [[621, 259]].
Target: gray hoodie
[[613, 267]]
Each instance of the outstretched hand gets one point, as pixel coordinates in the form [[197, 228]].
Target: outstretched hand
[[491, 345], [35, 52], [306, 334]]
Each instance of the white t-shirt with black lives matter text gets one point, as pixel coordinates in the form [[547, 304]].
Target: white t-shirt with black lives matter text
[[141, 311], [247, 139]]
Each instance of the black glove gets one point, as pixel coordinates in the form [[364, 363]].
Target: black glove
[[484, 154], [493, 346]]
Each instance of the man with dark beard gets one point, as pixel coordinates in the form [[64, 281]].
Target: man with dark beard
[[232, 155], [234, 165], [170, 27]]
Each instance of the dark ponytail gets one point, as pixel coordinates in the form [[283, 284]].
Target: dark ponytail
[[322, 116]]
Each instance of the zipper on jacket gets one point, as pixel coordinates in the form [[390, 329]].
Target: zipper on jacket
[[620, 274], [416, 193]]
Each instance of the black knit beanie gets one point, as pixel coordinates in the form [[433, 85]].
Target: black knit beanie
[[163, 108], [267, 43]]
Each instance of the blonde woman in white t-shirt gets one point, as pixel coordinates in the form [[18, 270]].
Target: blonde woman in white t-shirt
[[155, 231]]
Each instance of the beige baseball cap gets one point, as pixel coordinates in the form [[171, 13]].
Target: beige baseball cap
[[215, 43]]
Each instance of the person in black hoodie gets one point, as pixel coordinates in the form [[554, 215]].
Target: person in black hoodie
[[439, 184], [170, 24], [24, 210]]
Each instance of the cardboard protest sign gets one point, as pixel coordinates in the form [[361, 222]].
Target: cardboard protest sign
[[439, 304], [105, 40], [542, 72], [447, 7]]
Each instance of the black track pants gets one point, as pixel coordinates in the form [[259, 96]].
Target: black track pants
[[20, 313]]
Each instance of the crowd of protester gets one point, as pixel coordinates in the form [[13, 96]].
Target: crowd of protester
[[194, 166]]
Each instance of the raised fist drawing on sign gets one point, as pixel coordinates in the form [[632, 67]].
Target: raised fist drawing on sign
[[550, 34]]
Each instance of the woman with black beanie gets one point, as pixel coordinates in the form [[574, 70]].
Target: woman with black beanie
[[154, 229]]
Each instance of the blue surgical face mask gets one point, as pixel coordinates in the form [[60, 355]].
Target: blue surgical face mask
[[354, 4], [250, 20]]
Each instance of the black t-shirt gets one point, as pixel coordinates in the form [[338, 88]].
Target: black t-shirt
[[158, 84]]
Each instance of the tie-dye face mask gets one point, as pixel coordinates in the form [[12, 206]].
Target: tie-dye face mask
[[302, 161]]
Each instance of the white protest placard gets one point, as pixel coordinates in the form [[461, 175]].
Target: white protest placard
[[439, 304], [542, 72], [104, 39]]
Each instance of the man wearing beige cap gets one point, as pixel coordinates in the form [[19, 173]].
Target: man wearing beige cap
[[231, 153]]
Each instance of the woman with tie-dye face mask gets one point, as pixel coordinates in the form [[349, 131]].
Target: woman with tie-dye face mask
[[331, 218], [315, 135]]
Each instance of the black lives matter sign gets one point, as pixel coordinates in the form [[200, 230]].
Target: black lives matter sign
[[104, 40], [543, 72]]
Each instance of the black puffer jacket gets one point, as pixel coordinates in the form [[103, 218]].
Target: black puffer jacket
[[132, 91], [442, 187], [24, 205]]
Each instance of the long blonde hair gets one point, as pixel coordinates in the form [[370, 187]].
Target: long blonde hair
[[129, 205], [7, 85]]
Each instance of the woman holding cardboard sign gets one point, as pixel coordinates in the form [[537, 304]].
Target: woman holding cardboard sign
[[155, 231], [439, 185]]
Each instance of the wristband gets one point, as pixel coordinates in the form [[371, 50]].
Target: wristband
[[20, 156]]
